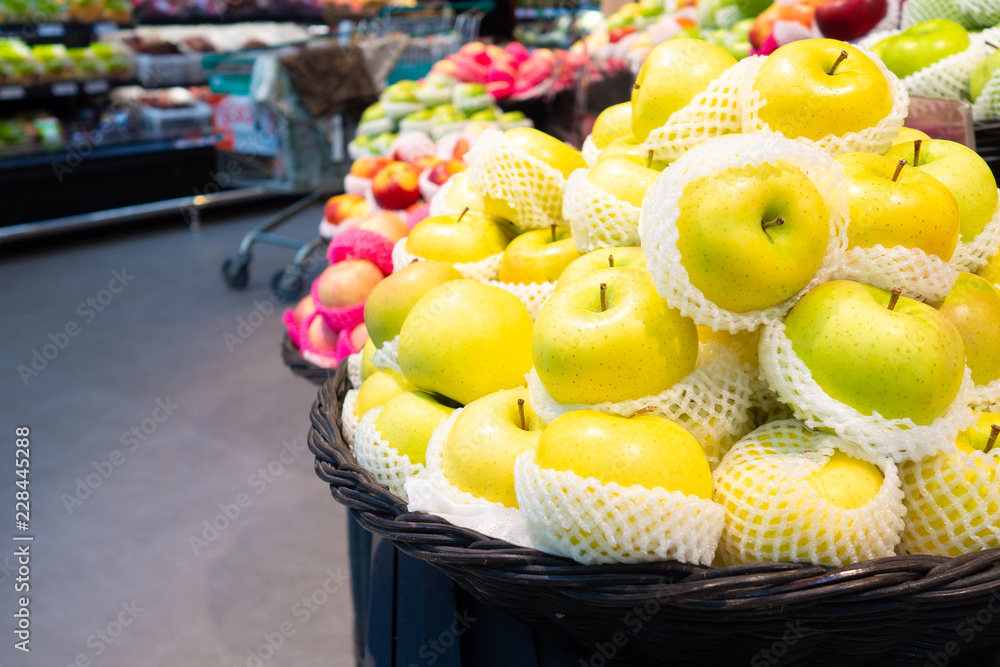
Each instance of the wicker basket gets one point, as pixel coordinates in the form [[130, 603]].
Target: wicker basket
[[912, 610], [310, 371]]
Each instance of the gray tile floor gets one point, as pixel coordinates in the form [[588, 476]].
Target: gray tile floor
[[147, 429]]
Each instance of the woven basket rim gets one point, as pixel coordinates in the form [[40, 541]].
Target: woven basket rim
[[292, 356], [754, 588]]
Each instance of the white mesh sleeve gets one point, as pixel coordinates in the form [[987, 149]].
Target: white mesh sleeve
[[590, 151], [390, 468], [950, 77], [921, 276], [973, 255], [483, 270], [985, 397], [354, 370], [348, 419], [387, 357], [596, 218], [532, 295]]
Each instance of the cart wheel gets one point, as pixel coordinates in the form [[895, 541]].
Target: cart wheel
[[287, 286], [236, 271]]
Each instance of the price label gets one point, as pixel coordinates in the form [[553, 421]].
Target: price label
[[96, 87], [65, 89], [12, 92], [51, 30]]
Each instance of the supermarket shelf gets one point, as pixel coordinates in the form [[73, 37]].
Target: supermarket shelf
[[101, 152], [60, 89], [55, 30], [228, 18]]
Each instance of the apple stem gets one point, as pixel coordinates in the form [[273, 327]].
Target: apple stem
[[604, 297], [841, 58], [765, 224], [520, 411], [642, 411], [553, 228], [649, 159], [896, 291], [899, 169], [916, 152], [462, 214], [994, 433], [611, 261], [635, 87], [992, 44]]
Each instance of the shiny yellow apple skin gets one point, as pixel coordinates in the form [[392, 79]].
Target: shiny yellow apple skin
[[367, 367], [991, 271], [729, 255], [463, 195], [647, 450], [456, 238], [914, 211], [906, 362], [846, 482], [745, 344], [673, 73], [963, 172], [378, 389], [908, 134], [628, 147], [637, 347], [407, 421], [390, 301], [548, 149], [613, 122], [533, 257], [478, 456], [973, 306], [804, 100], [465, 339], [602, 258], [623, 178], [977, 436]]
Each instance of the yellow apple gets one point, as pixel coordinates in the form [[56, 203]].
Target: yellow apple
[[602, 258], [460, 238], [973, 306], [622, 178], [463, 195], [391, 300], [908, 134], [378, 389], [627, 146], [538, 256], [745, 344], [613, 122], [367, 367], [991, 271], [407, 421], [558, 155]]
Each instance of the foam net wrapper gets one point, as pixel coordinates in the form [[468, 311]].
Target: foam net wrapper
[[899, 439], [875, 139], [713, 402], [919, 275], [386, 358], [985, 397], [348, 420], [952, 504], [484, 270], [596, 218], [532, 295], [661, 210], [987, 105], [354, 370], [774, 514], [390, 468], [950, 77], [434, 466], [974, 255], [590, 151], [439, 204], [592, 522], [529, 186], [709, 114]]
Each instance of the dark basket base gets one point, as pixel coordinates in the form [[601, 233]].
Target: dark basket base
[[298, 365], [988, 144], [898, 611]]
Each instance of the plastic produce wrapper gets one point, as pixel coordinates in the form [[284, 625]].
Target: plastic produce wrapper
[[596, 218], [950, 77], [390, 468], [354, 370], [386, 358], [973, 255], [590, 151], [919, 275], [985, 397], [348, 419]]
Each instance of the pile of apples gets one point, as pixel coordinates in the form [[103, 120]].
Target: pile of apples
[[875, 414]]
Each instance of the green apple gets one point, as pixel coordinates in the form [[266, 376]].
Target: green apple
[[446, 113], [623, 178], [647, 450], [909, 208], [752, 237], [399, 92], [390, 301], [465, 339], [367, 367], [982, 74], [673, 73], [513, 117], [379, 389], [608, 336], [805, 100], [460, 238], [478, 456], [973, 306], [628, 147], [961, 169], [922, 45], [407, 421], [907, 361], [538, 256], [602, 258], [613, 122], [485, 115], [373, 112]]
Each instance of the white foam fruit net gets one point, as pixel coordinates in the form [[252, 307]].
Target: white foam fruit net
[[319, 360], [774, 514], [711, 113], [386, 358], [596, 218], [530, 186], [875, 139], [590, 151], [973, 255], [439, 203], [661, 210], [985, 397], [592, 522], [987, 105], [349, 421], [354, 370], [899, 439], [950, 77], [981, 12], [713, 402], [919, 275], [483, 270], [390, 468], [952, 504], [532, 295], [965, 12]]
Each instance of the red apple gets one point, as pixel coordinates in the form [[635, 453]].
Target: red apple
[[849, 19], [341, 207], [462, 147], [426, 162], [359, 336], [395, 187], [442, 172], [303, 309], [321, 336], [500, 90], [519, 52], [499, 71], [347, 283], [386, 223], [801, 12], [616, 34], [367, 167]]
